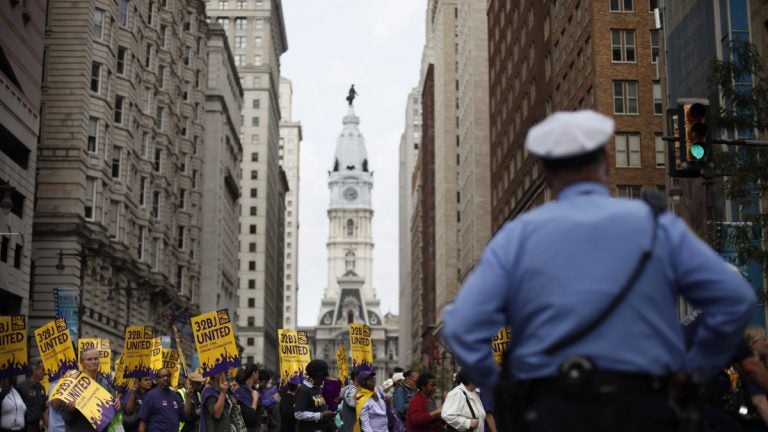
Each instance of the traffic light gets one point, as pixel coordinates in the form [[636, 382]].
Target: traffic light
[[697, 142]]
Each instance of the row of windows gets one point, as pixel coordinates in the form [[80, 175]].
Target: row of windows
[[628, 147], [629, 5], [242, 42], [623, 46], [625, 97], [239, 4], [5, 246], [241, 23]]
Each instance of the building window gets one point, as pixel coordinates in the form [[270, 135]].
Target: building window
[[239, 59], [250, 341], [97, 27], [224, 22], [349, 260], [140, 249], [252, 229], [653, 4], [350, 227], [17, 256], [254, 121], [629, 191], [623, 46], [254, 157], [163, 35], [658, 143], [253, 211], [114, 218], [95, 77], [251, 265], [182, 236], [254, 175], [158, 159], [658, 107], [90, 197], [119, 109], [625, 97], [160, 118], [194, 179], [257, 81], [148, 56], [654, 46], [161, 76], [182, 199], [155, 204], [241, 4], [622, 5], [252, 247], [122, 16], [144, 144], [251, 302], [150, 12], [257, 60], [627, 149], [240, 23], [120, 67], [93, 135], [187, 55], [256, 104], [116, 156], [254, 193], [180, 279], [240, 41], [147, 100], [143, 191], [251, 284]]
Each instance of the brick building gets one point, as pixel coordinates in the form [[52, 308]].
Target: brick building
[[565, 55]]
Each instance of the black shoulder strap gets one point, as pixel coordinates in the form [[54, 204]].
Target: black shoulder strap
[[656, 202], [471, 410]]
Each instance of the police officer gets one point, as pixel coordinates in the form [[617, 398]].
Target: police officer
[[551, 271]]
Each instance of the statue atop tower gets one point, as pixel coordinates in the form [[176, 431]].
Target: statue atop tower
[[351, 95]]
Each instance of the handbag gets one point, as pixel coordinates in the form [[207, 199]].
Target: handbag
[[236, 422], [449, 428]]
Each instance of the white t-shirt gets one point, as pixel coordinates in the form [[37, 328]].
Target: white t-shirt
[[12, 411]]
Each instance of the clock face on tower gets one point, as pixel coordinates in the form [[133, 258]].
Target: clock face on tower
[[350, 194]]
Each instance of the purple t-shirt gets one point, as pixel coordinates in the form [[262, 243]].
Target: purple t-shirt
[[161, 410]]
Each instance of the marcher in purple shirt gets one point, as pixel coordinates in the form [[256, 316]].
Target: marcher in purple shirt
[[162, 408]]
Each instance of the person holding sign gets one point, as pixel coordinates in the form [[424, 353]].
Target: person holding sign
[[133, 402], [217, 405], [162, 408], [75, 421], [311, 412]]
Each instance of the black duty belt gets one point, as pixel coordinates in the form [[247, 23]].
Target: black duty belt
[[594, 383]]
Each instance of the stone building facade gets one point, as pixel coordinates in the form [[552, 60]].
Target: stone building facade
[[118, 212], [349, 296], [256, 33], [221, 184], [21, 70], [290, 152]]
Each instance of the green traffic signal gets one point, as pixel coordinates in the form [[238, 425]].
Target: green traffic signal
[[697, 151]]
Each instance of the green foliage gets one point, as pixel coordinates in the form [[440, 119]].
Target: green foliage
[[744, 108]]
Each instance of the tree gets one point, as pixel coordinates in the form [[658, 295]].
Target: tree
[[742, 83]]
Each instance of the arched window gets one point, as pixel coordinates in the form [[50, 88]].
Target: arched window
[[349, 260], [350, 228]]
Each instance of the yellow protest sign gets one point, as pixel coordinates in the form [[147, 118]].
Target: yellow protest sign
[[90, 398], [171, 362], [305, 355], [500, 343], [360, 345], [137, 353], [55, 346], [156, 356], [288, 341], [341, 361], [13, 346], [119, 381], [103, 346], [215, 342]]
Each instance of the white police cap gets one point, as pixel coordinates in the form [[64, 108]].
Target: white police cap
[[567, 134]]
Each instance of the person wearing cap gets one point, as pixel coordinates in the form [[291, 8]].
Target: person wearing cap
[[553, 270], [192, 402], [310, 410], [404, 393], [372, 409]]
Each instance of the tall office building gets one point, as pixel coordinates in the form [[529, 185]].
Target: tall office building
[[220, 176], [566, 55], [256, 31], [290, 152], [118, 209], [409, 152], [21, 70], [453, 155]]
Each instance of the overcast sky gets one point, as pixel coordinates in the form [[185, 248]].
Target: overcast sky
[[332, 44]]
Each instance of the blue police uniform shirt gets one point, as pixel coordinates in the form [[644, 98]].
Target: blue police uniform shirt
[[161, 410], [553, 269]]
